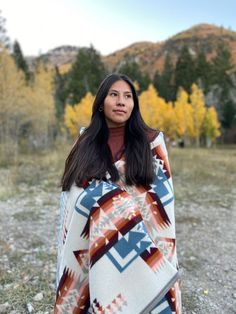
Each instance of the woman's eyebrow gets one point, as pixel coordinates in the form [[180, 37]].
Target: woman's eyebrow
[[125, 92]]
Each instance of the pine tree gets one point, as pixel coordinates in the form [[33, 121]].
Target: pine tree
[[185, 70], [222, 78], [164, 82], [222, 66], [85, 76], [132, 69], [60, 92], [229, 115], [203, 72], [20, 60], [158, 81], [4, 39]]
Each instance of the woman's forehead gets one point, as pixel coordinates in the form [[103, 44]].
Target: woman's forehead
[[121, 86]]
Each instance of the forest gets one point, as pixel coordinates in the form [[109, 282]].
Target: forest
[[192, 100]]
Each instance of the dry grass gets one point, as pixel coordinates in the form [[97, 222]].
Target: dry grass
[[200, 175], [41, 168], [29, 267], [204, 174]]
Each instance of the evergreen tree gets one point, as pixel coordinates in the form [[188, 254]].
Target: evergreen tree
[[85, 76], [60, 92], [131, 68], [229, 115], [145, 81], [164, 83], [185, 70], [4, 39], [20, 60], [203, 72], [158, 82], [222, 65], [221, 76]]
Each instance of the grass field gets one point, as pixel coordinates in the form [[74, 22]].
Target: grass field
[[204, 182]]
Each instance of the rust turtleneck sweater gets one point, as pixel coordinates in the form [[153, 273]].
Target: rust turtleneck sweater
[[116, 141]]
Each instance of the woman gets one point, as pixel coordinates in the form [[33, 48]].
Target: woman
[[117, 238]]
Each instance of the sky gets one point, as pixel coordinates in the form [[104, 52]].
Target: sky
[[109, 25]]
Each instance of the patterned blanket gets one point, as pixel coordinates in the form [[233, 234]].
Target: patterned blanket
[[117, 250]]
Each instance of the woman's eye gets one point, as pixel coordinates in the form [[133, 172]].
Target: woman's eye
[[113, 94], [128, 96]]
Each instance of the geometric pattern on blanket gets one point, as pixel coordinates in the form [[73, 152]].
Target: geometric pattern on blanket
[[129, 247], [117, 248], [116, 305]]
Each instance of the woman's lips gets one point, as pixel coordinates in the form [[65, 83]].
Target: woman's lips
[[119, 111]]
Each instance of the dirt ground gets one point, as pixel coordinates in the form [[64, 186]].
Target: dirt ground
[[205, 222]]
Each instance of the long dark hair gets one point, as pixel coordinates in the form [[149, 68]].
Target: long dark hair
[[91, 157]]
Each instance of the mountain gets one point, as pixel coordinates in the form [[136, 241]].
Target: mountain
[[150, 56], [62, 56]]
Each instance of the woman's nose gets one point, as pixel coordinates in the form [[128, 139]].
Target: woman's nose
[[121, 100]]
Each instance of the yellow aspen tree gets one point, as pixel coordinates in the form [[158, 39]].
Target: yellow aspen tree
[[163, 112], [42, 105], [183, 115], [198, 113], [169, 120], [79, 115], [211, 126], [12, 109], [151, 106]]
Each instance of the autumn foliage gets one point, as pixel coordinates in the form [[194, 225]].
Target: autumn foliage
[[27, 110], [28, 116], [187, 119], [79, 115]]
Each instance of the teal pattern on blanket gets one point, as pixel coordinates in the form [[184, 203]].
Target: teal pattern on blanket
[[117, 247]]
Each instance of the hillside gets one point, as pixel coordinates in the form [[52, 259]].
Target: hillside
[[62, 56], [151, 56]]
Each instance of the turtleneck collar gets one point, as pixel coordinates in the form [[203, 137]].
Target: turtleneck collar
[[117, 132], [116, 141]]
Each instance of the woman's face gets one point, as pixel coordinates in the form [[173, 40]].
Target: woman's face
[[118, 104]]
